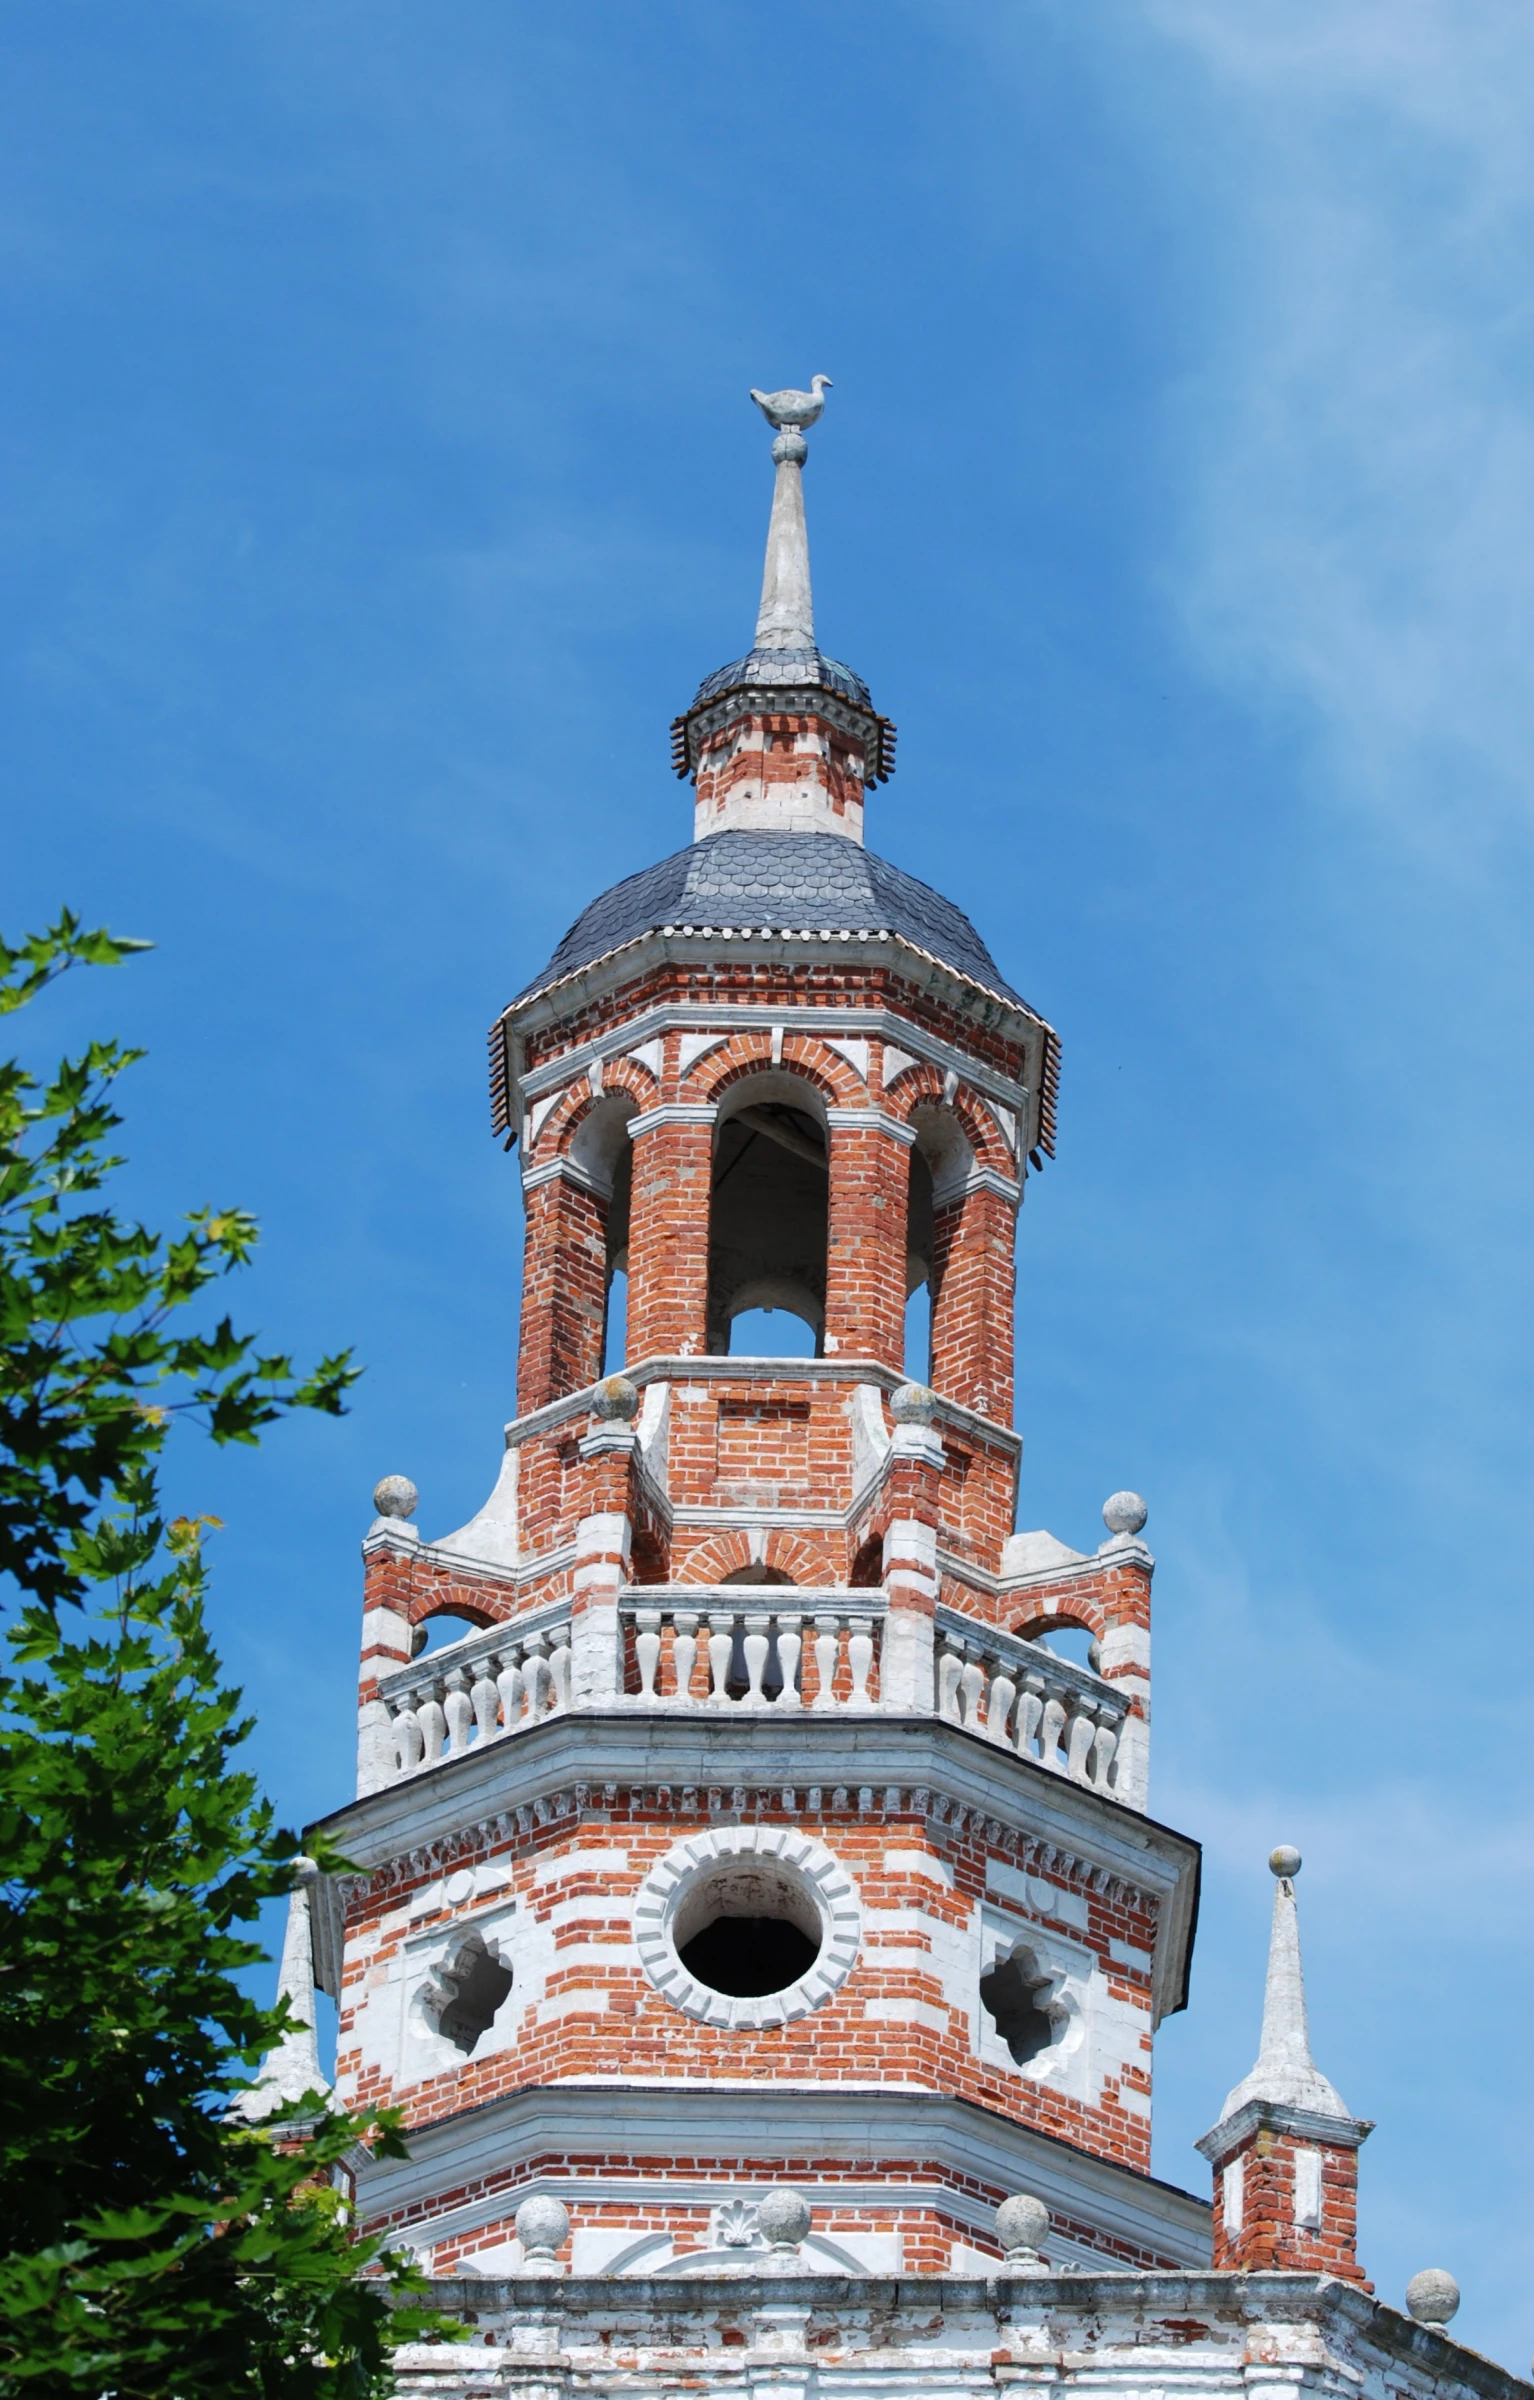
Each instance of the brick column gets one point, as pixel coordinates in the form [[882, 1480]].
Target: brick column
[[668, 1232], [1286, 2191], [913, 1482], [866, 1247], [564, 1288], [974, 1280]]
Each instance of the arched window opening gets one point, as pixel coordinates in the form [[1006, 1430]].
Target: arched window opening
[[868, 1566], [615, 1335], [1077, 1643], [769, 1213], [1015, 1996], [465, 1993], [771, 1333], [440, 1630], [918, 1271]]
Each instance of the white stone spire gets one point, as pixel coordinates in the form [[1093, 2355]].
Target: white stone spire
[[1285, 2072], [293, 2067], [786, 618]]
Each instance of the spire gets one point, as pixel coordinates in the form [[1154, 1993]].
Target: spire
[[292, 2068], [786, 619], [1285, 2072]]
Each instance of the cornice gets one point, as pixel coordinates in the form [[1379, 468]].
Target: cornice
[[858, 1764]]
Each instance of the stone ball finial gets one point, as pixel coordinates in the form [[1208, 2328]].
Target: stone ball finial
[[615, 1400], [1285, 1861], [790, 449], [913, 1404], [783, 2217], [543, 2225], [305, 1871], [1124, 1512], [395, 1496], [1432, 2296], [1022, 2225]]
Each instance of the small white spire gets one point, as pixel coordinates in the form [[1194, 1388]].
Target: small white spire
[[293, 2067], [1285, 2071], [786, 618]]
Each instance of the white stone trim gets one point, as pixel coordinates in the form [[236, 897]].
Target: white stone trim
[[871, 1120], [672, 1112], [901, 1039], [811, 1865]]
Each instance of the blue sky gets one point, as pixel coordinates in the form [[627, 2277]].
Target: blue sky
[[378, 481]]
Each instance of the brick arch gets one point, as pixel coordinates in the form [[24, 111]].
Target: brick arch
[[804, 1562], [564, 1122], [921, 1086], [1087, 1616], [751, 1054], [423, 1606]]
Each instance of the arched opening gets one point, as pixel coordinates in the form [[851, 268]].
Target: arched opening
[[1078, 1643], [758, 1574], [940, 1165], [769, 1211], [1015, 1996], [602, 1150], [440, 1630], [868, 1566]]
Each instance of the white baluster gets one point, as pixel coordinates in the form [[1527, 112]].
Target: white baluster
[[756, 1646], [433, 1725], [1030, 1708], [860, 1658], [1079, 1740], [647, 1649], [684, 1654], [998, 1706], [949, 1668], [1104, 1745], [1050, 1728], [721, 1649], [509, 1684], [790, 1643], [559, 1668], [827, 1635], [408, 1741], [458, 1711], [972, 1691], [486, 1700], [535, 1675]]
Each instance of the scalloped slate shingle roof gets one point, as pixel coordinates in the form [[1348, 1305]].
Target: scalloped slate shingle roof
[[818, 882]]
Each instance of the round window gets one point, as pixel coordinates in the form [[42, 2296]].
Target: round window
[[749, 1925]]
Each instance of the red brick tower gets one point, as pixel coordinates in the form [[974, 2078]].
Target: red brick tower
[[752, 1829]]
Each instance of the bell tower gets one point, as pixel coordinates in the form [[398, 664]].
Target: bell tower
[[774, 1812]]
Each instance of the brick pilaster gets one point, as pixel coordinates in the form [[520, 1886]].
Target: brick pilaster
[[866, 1247], [564, 1291], [668, 1235], [974, 1284], [388, 1571], [912, 1497]]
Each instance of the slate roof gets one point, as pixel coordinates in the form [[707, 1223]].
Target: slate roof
[[793, 882], [796, 667]]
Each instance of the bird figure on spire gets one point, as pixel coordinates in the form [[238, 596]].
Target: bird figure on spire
[[796, 409]]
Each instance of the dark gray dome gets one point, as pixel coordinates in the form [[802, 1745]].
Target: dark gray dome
[[792, 882], [798, 668]]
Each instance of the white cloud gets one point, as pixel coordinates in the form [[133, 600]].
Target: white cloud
[[1356, 446]]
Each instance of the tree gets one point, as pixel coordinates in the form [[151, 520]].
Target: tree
[[156, 2246]]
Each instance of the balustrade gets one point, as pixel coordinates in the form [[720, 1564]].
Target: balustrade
[[492, 1683], [1020, 1695], [818, 1650]]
